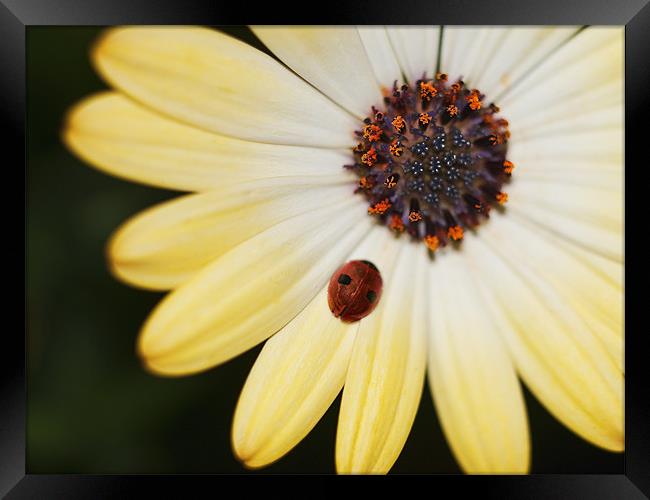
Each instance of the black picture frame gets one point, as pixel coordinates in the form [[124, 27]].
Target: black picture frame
[[17, 15]]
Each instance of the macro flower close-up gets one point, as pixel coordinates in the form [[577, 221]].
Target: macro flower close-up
[[476, 171]]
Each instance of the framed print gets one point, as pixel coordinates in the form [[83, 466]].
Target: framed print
[[380, 242]]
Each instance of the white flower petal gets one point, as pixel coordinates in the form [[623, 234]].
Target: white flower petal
[[416, 48], [474, 385], [559, 358], [381, 55], [384, 382], [126, 139], [164, 246], [250, 292], [332, 59], [298, 374], [215, 82]]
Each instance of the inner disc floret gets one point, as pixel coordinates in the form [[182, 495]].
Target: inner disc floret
[[433, 162]]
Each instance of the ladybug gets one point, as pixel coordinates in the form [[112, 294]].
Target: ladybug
[[354, 290]]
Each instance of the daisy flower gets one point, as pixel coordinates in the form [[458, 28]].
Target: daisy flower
[[480, 170]]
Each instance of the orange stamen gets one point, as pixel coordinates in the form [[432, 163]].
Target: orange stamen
[[365, 182], [508, 167], [427, 91], [379, 208], [390, 182], [455, 233], [399, 123], [502, 198], [424, 118], [396, 149], [369, 158], [396, 223], [372, 132], [415, 216], [452, 110], [474, 100], [432, 242]]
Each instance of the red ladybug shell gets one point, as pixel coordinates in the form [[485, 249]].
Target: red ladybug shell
[[354, 290]]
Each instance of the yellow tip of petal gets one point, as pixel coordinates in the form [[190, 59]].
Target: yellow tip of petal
[[614, 442], [249, 452], [154, 367], [100, 45], [249, 458], [70, 123]]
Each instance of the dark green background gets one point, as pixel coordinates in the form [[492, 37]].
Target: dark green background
[[91, 406]]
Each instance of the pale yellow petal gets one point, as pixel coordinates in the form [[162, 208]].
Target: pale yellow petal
[[164, 246], [474, 384], [384, 382], [583, 76], [554, 351], [294, 380], [574, 172], [463, 52], [586, 234], [250, 292], [590, 294], [596, 146], [381, 55], [570, 172], [215, 82], [298, 374], [332, 59], [123, 138], [520, 51], [598, 206], [416, 48], [593, 103], [601, 108], [609, 270], [493, 58], [558, 184]]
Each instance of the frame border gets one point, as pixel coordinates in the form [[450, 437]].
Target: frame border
[[16, 15]]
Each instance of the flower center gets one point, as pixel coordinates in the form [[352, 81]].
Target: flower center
[[433, 162]]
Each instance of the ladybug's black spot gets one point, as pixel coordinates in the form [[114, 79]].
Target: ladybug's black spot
[[371, 296], [370, 264], [344, 279]]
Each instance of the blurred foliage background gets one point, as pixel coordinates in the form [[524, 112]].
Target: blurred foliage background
[[91, 406]]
